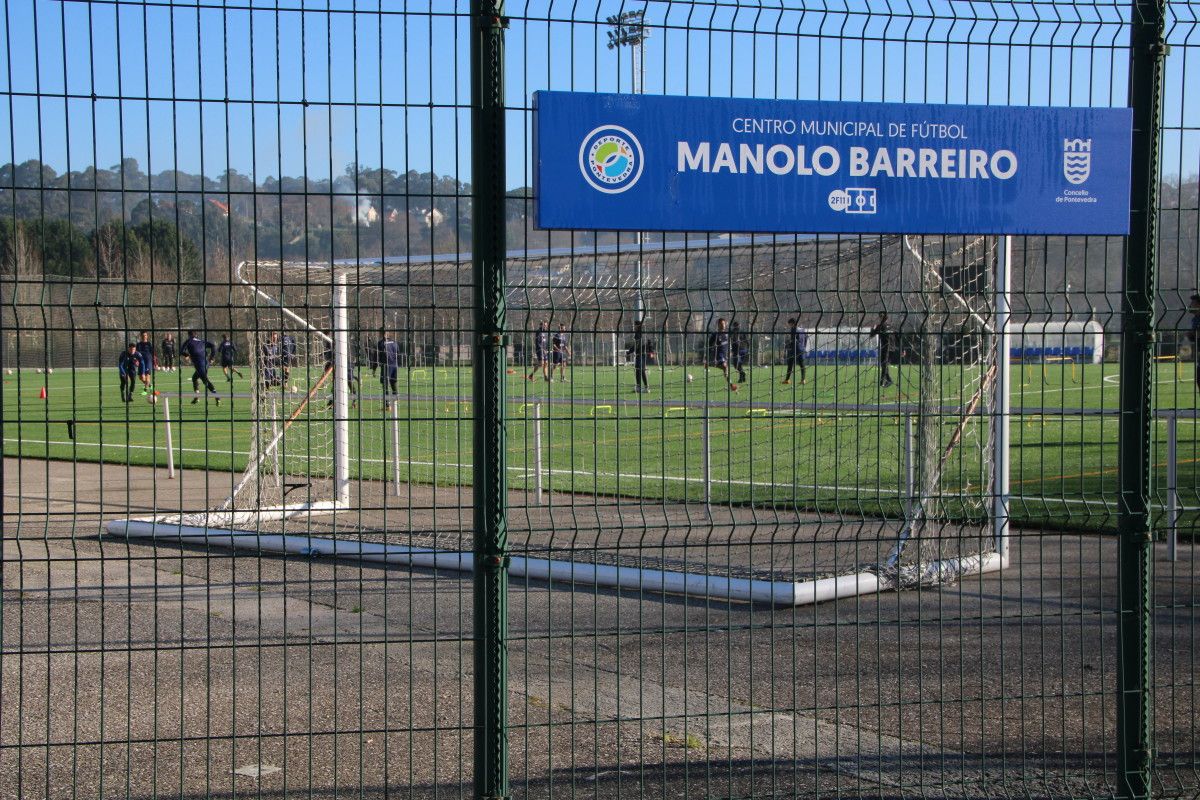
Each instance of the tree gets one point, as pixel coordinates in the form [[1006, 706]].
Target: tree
[[168, 249], [117, 248], [17, 258], [63, 248]]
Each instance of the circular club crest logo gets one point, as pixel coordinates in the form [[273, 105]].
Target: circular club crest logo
[[610, 158]]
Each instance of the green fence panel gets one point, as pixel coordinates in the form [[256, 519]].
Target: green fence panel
[[405, 496]]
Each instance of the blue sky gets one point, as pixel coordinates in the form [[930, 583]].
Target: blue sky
[[211, 86]]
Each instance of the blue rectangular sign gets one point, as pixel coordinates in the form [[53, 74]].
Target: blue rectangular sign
[[641, 162]]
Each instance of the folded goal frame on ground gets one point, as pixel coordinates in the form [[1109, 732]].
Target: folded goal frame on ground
[[301, 389]]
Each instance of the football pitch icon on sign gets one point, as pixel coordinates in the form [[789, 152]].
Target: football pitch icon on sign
[[862, 201]]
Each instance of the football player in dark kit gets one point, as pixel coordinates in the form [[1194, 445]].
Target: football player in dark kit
[[227, 350], [561, 353], [886, 341], [145, 349], [796, 345], [643, 356], [718, 351], [389, 362], [288, 351], [168, 352], [541, 352], [739, 348], [270, 357], [129, 366], [199, 351], [1194, 336]]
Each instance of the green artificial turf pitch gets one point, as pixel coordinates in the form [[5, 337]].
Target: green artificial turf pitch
[[834, 443]]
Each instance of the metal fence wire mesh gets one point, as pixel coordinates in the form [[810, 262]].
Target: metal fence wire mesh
[[327, 473]]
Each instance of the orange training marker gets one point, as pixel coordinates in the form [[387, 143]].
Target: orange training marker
[[42, 393]]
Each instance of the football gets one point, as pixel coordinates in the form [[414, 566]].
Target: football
[[690, 378], [49, 370], [152, 399]]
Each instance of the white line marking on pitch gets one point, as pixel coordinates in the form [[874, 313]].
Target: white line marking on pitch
[[627, 476]]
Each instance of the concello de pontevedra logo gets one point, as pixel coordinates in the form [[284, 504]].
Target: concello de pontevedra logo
[[1077, 160], [610, 158]]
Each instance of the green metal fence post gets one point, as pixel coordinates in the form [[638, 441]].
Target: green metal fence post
[[1135, 559], [490, 522]]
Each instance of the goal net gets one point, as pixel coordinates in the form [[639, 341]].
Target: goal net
[[882, 472], [950, 528], [889, 453], [286, 324], [291, 465]]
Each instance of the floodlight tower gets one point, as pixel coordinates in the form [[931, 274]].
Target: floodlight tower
[[629, 30]]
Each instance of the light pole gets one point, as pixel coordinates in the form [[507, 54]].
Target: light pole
[[629, 30]]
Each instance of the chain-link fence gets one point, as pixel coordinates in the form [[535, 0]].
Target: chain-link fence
[[401, 495]]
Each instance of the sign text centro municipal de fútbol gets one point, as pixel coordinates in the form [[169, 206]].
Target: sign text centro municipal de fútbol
[[642, 162]]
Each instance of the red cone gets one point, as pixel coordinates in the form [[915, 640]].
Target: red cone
[[42, 393]]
